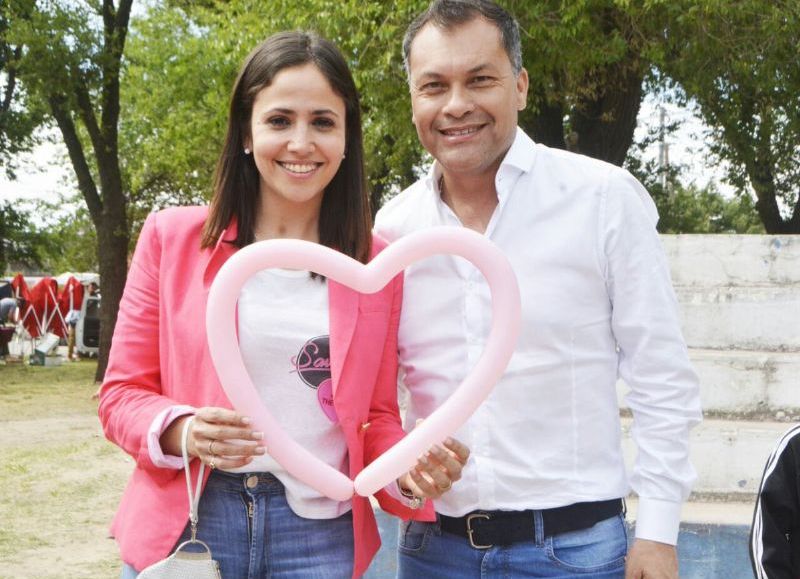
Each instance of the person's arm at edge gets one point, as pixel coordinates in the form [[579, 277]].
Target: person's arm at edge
[[777, 510]]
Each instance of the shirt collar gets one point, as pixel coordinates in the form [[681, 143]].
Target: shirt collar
[[522, 153], [519, 159]]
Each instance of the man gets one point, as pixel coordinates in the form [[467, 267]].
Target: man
[[541, 494], [8, 310], [72, 318], [8, 316], [775, 535]]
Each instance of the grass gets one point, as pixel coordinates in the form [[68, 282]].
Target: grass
[[63, 389], [61, 479]]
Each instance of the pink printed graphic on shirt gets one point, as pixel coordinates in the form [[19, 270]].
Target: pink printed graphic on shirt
[[325, 398], [313, 365]]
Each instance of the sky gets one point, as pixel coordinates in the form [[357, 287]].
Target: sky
[[41, 175], [45, 172]]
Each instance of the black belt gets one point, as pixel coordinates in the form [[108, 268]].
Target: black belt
[[486, 529]]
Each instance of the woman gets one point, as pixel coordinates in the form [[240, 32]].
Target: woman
[[291, 167]]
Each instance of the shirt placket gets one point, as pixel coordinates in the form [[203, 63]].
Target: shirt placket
[[475, 332], [476, 319]]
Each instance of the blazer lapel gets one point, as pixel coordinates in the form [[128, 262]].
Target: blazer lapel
[[343, 312], [212, 260]]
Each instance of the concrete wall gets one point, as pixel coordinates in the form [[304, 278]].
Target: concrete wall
[[740, 310]]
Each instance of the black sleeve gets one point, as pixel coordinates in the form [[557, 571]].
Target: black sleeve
[[773, 537]]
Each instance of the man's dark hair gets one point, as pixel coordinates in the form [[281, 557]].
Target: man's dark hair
[[448, 14]]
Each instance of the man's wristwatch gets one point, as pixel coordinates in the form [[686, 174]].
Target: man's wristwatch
[[415, 502]]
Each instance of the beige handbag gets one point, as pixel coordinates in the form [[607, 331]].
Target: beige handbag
[[187, 564]]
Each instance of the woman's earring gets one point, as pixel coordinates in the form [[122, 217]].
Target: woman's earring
[[246, 151]]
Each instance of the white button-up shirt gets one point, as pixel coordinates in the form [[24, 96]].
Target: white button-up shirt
[[597, 304]]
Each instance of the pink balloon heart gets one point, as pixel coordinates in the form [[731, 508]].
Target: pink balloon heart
[[295, 254]]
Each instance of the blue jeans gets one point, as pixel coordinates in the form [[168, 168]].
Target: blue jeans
[[275, 542], [597, 552]]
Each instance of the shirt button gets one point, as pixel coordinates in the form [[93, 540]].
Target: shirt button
[[251, 481]]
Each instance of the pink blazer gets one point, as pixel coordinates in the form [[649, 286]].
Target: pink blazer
[[159, 358]]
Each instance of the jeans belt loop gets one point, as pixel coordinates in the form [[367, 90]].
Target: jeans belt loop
[[471, 531]]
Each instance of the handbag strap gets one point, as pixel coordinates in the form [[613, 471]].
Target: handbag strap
[[194, 499]]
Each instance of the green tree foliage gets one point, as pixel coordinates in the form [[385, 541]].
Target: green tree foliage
[[68, 61], [184, 56], [46, 237], [22, 245], [588, 61], [18, 114], [71, 239], [144, 131], [689, 208], [740, 61]]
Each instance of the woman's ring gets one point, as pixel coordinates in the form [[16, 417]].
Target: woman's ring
[[211, 447], [447, 488], [211, 464]]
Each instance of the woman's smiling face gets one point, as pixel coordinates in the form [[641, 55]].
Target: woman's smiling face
[[297, 136]]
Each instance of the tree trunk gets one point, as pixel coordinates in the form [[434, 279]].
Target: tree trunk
[[601, 127], [112, 257], [108, 210], [794, 222], [604, 126], [760, 161], [546, 125], [2, 240], [771, 217], [767, 203]]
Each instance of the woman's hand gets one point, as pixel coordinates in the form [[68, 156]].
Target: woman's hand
[[219, 437], [436, 471]]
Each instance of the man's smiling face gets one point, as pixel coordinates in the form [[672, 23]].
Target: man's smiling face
[[465, 97]]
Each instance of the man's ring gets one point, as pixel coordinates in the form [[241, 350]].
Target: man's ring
[[446, 488], [211, 447]]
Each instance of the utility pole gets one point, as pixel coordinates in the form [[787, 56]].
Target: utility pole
[[663, 151]]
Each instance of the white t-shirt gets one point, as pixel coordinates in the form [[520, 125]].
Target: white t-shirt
[[284, 340]]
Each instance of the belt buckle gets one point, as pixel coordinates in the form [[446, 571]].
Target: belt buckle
[[470, 518]]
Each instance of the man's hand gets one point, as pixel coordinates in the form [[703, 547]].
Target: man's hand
[[436, 470], [651, 560]]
